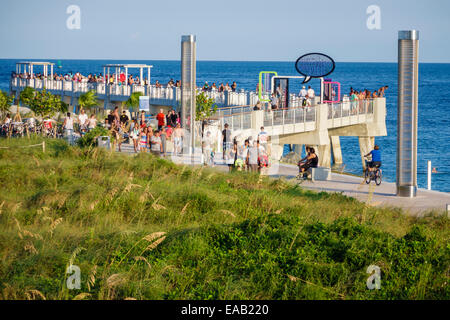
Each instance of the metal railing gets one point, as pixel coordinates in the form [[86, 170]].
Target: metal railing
[[290, 116], [350, 108], [162, 94]]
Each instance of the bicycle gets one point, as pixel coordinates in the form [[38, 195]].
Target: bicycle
[[373, 175]]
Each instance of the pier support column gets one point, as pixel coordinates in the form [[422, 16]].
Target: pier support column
[[324, 154], [366, 145], [336, 149], [298, 148]]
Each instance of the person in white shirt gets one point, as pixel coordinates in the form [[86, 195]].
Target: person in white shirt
[[68, 127], [82, 117], [311, 93], [303, 92], [310, 96], [92, 122], [263, 138]]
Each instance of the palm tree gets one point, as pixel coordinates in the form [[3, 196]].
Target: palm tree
[[88, 100], [133, 101]]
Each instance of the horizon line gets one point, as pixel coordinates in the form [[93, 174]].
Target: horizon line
[[203, 60]]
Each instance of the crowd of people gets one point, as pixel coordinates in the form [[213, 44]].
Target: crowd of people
[[120, 79], [367, 94], [241, 154], [221, 88], [137, 131]]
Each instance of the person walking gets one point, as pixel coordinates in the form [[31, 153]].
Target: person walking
[[178, 135], [135, 133], [252, 157], [68, 127], [156, 144], [226, 138]]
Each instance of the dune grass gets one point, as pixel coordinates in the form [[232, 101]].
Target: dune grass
[[145, 228]]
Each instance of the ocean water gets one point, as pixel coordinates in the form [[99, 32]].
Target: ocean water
[[434, 102]]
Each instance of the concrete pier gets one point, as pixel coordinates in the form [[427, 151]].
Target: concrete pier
[[336, 150]]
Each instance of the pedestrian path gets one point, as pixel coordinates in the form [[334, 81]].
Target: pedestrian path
[[383, 195], [352, 186]]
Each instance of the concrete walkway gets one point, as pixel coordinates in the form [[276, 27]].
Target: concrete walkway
[[382, 196]]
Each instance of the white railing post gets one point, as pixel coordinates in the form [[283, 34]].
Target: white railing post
[[304, 115], [429, 175]]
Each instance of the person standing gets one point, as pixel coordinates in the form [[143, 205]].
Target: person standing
[[310, 96], [274, 102], [142, 119], [169, 118], [303, 93], [68, 127], [82, 118], [163, 136], [252, 158], [124, 118], [178, 135], [135, 133], [156, 144], [311, 93], [110, 119], [92, 122], [226, 137], [174, 118], [143, 139], [263, 138], [161, 119]]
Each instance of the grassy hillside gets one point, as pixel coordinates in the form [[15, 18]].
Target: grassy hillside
[[144, 228]]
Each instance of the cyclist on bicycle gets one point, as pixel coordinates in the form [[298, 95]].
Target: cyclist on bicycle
[[376, 158]]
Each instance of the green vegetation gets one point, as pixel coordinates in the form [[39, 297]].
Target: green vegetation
[[88, 100], [145, 228], [26, 96], [5, 103], [43, 103], [205, 107], [90, 138], [133, 101]]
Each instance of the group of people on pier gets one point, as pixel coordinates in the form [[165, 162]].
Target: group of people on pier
[[367, 94], [221, 88]]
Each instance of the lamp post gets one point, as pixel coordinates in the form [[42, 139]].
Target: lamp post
[[408, 67], [188, 82]]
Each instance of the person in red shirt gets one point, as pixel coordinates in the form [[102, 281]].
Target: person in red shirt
[[161, 119]]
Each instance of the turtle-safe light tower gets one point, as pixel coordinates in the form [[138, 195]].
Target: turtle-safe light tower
[[188, 79], [408, 75]]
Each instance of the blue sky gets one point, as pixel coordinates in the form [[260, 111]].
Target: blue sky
[[279, 30]]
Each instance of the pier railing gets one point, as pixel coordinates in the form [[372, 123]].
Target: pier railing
[[350, 108], [160, 95]]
